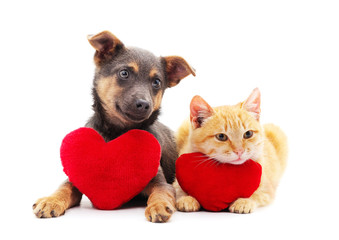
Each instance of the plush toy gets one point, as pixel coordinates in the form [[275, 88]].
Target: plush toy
[[110, 174], [216, 185]]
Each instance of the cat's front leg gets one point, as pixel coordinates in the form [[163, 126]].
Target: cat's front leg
[[184, 202], [263, 196], [243, 205]]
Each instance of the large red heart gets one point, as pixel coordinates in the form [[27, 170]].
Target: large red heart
[[110, 174], [216, 185]]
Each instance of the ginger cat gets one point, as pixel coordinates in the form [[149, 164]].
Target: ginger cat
[[233, 134]]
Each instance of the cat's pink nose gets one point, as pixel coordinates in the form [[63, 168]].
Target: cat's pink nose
[[239, 152]]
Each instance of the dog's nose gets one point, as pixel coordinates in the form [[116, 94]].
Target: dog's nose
[[142, 105]]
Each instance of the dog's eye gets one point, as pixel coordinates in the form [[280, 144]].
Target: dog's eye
[[156, 83], [124, 74], [248, 134], [221, 137]]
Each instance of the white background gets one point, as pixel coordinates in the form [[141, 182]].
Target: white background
[[289, 49]]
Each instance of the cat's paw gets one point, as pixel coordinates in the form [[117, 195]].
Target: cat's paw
[[49, 207], [187, 204], [243, 205]]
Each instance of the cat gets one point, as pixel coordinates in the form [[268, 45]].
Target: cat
[[233, 134]]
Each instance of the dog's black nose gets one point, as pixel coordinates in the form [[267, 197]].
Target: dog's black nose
[[142, 105]]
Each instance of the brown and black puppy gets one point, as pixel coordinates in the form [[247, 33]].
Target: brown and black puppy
[[128, 87]]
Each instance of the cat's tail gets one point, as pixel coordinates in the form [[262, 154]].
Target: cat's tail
[[279, 141]]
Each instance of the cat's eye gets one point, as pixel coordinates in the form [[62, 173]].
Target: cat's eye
[[248, 134], [221, 137], [124, 74]]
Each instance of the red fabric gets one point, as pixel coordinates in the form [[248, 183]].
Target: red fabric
[[112, 173], [216, 185]]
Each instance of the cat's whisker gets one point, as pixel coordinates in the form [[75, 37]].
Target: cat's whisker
[[204, 160], [202, 156]]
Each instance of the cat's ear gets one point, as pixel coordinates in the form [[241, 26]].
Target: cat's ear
[[200, 111], [252, 104]]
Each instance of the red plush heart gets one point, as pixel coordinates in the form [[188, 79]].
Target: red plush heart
[[216, 185], [110, 174]]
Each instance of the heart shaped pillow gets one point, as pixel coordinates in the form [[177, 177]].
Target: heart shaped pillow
[[110, 174], [216, 185]]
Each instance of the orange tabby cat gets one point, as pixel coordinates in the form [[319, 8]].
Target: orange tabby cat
[[233, 134]]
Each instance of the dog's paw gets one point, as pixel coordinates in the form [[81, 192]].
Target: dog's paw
[[159, 211], [243, 205], [49, 207], [187, 204]]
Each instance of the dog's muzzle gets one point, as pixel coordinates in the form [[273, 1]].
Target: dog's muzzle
[[138, 110]]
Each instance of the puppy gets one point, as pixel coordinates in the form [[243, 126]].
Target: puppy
[[128, 87]]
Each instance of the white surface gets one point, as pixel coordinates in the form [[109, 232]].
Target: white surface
[[289, 49]]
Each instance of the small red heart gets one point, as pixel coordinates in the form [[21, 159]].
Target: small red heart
[[112, 173], [216, 185]]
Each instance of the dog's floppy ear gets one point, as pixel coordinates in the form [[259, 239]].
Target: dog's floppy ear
[[105, 44], [176, 69]]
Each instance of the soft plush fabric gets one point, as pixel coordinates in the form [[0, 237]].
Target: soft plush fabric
[[216, 185], [112, 173]]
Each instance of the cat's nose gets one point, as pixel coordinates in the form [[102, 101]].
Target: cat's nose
[[239, 152]]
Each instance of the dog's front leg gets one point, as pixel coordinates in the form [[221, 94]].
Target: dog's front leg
[[65, 197], [161, 199]]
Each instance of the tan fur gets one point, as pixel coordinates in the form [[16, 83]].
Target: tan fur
[[108, 90], [268, 146], [161, 200], [157, 100], [153, 72], [135, 66], [160, 205], [66, 196]]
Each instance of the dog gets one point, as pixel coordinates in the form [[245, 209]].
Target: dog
[[128, 87]]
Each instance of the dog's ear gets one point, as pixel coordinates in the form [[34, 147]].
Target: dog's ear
[[176, 69], [105, 44]]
